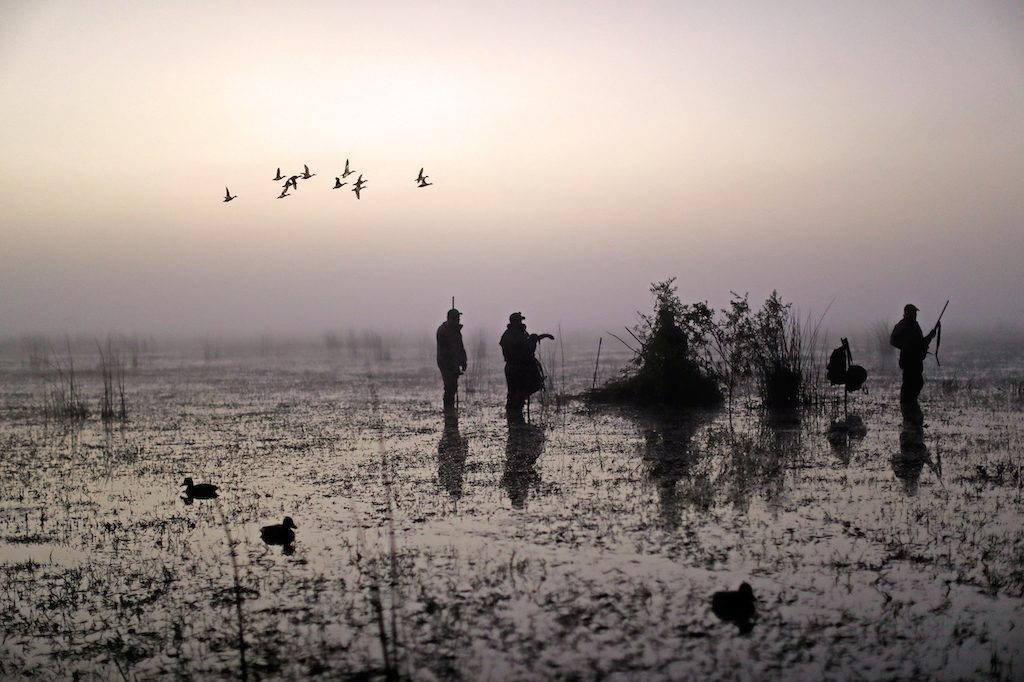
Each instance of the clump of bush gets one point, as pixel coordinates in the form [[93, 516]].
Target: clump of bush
[[664, 370], [692, 355]]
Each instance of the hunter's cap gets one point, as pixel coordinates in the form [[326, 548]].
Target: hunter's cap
[[454, 313], [910, 307], [516, 318]]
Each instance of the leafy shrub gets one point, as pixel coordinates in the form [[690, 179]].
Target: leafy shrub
[[718, 350]]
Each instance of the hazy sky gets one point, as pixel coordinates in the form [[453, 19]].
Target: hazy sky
[[871, 152]]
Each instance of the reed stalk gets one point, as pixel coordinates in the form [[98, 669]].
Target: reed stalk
[[243, 666]]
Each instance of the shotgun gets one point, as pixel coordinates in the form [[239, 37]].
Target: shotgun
[[938, 333]]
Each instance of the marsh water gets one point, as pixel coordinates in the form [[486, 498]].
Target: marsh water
[[585, 544]]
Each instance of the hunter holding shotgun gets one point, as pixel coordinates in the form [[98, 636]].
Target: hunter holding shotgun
[[451, 355], [913, 345]]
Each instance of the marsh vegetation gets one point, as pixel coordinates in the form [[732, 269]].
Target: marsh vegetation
[[689, 354], [587, 544]]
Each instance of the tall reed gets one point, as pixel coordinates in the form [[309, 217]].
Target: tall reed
[[62, 400], [243, 665], [389, 641], [788, 354], [112, 373]]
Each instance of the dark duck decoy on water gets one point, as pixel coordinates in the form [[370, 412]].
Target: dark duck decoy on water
[[279, 534], [202, 491], [227, 195], [736, 607]]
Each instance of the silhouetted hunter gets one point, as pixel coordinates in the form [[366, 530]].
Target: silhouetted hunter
[[523, 373], [664, 359], [451, 356], [913, 345], [669, 333]]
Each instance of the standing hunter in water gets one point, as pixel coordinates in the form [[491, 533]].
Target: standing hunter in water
[[451, 356], [523, 374], [913, 345]]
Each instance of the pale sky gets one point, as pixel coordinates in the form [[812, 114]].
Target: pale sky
[[867, 152]]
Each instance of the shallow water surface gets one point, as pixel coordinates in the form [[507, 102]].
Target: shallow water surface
[[585, 544]]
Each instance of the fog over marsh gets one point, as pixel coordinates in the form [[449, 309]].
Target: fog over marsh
[[865, 153]]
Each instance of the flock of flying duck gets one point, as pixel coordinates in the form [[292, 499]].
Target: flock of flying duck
[[292, 182]]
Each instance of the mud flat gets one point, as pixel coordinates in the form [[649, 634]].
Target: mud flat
[[584, 545]]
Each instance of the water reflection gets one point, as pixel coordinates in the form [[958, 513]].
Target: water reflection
[[914, 453], [525, 445], [784, 432], [669, 460], [723, 465], [452, 451], [843, 433]]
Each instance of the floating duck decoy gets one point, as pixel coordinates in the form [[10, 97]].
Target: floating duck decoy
[[735, 607], [422, 179], [347, 171], [360, 183], [306, 175], [227, 195], [278, 177], [338, 184], [202, 491], [279, 534], [284, 193]]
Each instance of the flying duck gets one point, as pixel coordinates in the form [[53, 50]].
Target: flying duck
[[347, 171], [306, 175], [338, 184], [422, 179], [227, 195], [278, 177], [359, 185]]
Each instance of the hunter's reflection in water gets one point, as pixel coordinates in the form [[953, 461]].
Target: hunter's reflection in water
[[842, 434], [669, 460], [913, 454], [524, 447], [452, 451]]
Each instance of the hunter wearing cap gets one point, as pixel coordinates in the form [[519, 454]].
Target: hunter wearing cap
[[451, 356], [523, 374], [913, 345]]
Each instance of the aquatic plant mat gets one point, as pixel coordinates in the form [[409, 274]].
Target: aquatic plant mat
[[585, 546]]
